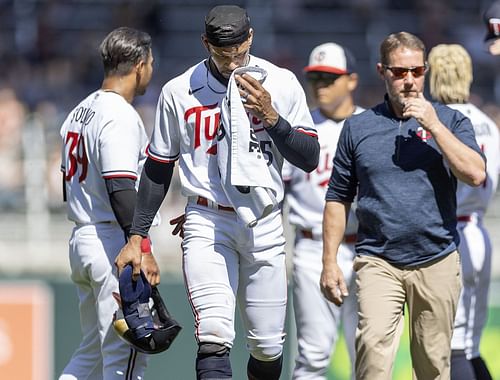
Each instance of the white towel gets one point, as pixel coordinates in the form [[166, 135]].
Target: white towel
[[245, 177]]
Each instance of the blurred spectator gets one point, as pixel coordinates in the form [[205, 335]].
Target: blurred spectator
[[492, 20], [12, 117]]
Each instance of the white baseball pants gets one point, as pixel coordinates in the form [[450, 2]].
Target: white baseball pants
[[317, 319], [224, 261], [475, 253], [101, 354]]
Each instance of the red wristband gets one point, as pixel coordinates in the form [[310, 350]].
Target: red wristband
[[146, 246]]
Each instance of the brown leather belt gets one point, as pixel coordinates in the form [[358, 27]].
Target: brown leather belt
[[202, 201], [349, 239], [464, 218]]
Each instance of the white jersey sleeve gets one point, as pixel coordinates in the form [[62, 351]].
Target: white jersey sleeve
[[470, 199], [165, 145]]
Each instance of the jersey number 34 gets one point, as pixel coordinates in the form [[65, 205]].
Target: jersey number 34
[[76, 160]]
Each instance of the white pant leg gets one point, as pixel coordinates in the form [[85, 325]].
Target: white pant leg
[[86, 362], [220, 256], [262, 293], [210, 265], [101, 355], [349, 309], [317, 319], [475, 252]]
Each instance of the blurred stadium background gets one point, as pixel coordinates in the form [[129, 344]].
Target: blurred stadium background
[[49, 60]]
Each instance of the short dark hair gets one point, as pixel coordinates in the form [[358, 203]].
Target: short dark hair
[[122, 49], [396, 40]]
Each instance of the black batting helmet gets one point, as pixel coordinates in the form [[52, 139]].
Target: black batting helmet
[[149, 329]]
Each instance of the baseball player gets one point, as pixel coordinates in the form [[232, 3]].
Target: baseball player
[[103, 150], [225, 262], [450, 80], [331, 74]]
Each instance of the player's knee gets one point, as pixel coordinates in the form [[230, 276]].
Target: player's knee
[[212, 362], [264, 370], [313, 362], [266, 349]]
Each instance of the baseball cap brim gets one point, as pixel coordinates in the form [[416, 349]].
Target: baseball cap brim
[[331, 58], [325, 69]]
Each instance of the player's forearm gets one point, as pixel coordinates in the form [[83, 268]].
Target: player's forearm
[[465, 163], [298, 148], [123, 203], [334, 223], [153, 187], [122, 197]]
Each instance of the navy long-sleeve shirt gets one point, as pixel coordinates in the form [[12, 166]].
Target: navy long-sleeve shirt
[[406, 192]]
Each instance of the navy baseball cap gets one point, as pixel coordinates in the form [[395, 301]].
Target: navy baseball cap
[[331, 58], [492, 20], [227, 25]]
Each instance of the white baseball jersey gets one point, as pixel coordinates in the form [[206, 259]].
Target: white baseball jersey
[[306, 197], [476, 199], [98, 145], [188, 116]]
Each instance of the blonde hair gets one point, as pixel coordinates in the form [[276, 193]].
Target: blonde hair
[[450, 73]]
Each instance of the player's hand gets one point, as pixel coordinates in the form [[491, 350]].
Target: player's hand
[[257, 99], [150, 269], [179, 225], [332, 284], [422, 110], [130, 254]]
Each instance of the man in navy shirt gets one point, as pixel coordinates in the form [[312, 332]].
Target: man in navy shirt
[[402, 158]]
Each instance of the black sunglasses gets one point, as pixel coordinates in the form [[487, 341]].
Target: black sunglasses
[[321, 76], [402, 72]]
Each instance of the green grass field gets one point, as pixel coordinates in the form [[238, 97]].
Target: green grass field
[[339, 369]]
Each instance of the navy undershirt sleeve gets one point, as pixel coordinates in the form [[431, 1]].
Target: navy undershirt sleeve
[[296, 147], [122, 196], [155, 181]]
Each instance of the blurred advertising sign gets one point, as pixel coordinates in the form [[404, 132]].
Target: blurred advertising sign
[[26, 334]]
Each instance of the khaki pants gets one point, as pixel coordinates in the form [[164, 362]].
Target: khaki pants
[[431, 292]]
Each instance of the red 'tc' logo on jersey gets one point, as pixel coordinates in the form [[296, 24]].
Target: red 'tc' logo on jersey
[[206, 123]]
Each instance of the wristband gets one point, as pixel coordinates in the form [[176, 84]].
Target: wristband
[[146, 246]]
